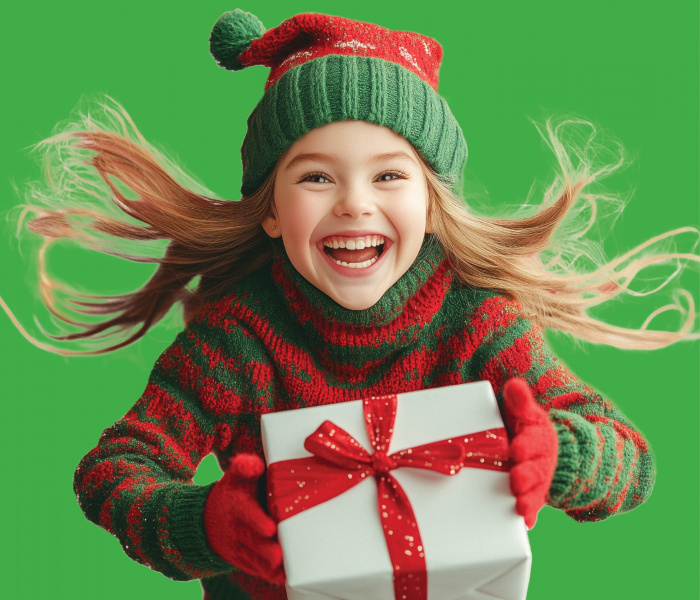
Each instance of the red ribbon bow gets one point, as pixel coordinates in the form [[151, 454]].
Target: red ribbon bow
[[340, 462]]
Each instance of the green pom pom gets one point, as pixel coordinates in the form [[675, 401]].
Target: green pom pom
[[232, 34]]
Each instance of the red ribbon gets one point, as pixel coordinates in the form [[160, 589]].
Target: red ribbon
[[340, 462]]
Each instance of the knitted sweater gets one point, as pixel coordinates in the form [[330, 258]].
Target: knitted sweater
[[277, 343]]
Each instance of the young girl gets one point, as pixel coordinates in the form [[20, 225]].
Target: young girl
[[347, 147]]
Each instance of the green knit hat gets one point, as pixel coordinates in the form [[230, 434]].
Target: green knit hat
[[326, 69]]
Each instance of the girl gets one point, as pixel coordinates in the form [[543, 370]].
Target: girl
[[279, 222]]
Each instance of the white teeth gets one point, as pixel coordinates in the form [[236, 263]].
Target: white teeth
[[362, 265], [355, 244], [360, 243]]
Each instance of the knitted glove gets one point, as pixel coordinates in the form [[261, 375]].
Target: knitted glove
[[237, 528], [533, 449]]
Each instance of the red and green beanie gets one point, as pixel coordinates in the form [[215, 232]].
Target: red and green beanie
[[325, 69]]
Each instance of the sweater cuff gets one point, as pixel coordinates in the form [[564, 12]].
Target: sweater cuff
[[186, 522], [566, 473]]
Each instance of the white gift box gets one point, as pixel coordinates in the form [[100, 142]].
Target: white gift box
[[476, 546]]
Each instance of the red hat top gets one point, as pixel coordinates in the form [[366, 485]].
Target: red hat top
[[307, 36]]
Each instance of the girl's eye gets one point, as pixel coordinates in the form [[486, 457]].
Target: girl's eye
[[392, 176], [314, 177]]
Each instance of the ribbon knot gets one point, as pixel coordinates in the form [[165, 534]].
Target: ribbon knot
[[381, 463]]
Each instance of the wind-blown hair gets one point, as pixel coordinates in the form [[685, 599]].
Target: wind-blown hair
[[109, 190]]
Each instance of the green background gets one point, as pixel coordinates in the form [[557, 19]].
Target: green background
[[629, 66]]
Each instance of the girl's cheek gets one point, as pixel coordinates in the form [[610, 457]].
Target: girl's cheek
[[409, 219]]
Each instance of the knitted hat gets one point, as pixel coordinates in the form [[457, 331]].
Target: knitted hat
[[326, 69]]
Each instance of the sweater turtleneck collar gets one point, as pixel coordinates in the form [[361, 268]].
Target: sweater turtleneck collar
[[396, 318]]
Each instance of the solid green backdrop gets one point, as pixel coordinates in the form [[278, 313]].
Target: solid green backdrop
[[631, 67]]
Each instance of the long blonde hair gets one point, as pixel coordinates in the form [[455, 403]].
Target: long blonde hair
[[141, 199], [505, 255]]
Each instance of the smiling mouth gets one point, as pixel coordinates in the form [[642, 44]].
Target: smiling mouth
[[356, 253]]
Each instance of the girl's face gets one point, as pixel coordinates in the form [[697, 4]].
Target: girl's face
[[351, 206]]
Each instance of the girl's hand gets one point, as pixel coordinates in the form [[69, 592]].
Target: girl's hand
[[533, 449], [237, 528]]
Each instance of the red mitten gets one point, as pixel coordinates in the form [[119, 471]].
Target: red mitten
[[533, 449], [237, 528]]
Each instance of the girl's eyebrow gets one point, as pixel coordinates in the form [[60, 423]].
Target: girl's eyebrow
[[333, 159]]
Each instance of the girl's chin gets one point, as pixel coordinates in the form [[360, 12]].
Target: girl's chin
[[356, 300]]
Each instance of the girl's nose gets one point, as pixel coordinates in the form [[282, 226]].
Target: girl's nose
[[354, 203]]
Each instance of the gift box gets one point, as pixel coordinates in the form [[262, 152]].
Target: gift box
[[402, 497]]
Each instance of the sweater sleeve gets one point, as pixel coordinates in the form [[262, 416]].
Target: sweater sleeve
[[604, 466], [137, 482]]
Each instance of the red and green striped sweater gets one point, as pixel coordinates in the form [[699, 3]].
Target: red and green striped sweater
[[275, 343]]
